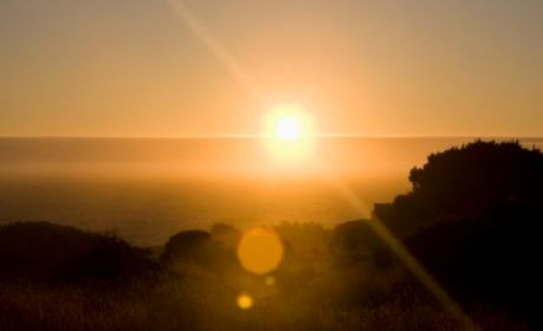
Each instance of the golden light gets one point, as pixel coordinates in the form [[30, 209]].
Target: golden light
[[288, 127], [260, 251], [290, 133], [245, 301]]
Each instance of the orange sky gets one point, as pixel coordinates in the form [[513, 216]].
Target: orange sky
[[136, 68]]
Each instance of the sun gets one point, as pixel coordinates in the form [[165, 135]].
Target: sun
[[290, 133], [289, 122], [288, 127]]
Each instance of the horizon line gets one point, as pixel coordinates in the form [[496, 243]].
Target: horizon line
[[252, 136]]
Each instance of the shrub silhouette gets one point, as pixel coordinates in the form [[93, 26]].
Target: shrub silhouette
[[354, 242], [472, 219], [44, 251], [466, 182], [112, 259], [192, 246], [226, 234]]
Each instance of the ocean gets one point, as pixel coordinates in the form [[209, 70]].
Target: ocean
[[148, 189]]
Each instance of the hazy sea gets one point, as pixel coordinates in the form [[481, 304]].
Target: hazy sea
[[148, 189]]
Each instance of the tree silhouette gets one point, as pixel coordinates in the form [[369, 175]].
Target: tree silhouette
[[466, 182], [472, 219], [188, 246]]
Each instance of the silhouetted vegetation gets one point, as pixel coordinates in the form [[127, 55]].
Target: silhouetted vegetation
[[45, 252], [466, 182], [471, 219], [188, 246]]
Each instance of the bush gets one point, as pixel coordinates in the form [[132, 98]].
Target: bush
[[47, 252], [466, 182], [472, 219]]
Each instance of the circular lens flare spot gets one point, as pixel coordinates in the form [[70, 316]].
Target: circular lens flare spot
[[245, 301], [260, 251]]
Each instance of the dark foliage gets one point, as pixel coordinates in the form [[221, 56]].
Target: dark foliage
[[188, 246], [472, 220], [112, 259], [354, 242], [466, 182], [492, 259], [47, 252], [215, 251]]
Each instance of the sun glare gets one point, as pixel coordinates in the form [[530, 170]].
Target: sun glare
[[288, 127], [290, 133]]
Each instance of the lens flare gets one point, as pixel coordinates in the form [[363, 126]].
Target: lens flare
[[260, 251], [245, 301]]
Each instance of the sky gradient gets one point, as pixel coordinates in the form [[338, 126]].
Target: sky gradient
[[370, 68]]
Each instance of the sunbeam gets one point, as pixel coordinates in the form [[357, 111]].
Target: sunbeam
[[289, 129], [225, 58], [400, 251]]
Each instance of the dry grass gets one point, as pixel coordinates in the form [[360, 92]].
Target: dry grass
[[200, 301]]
